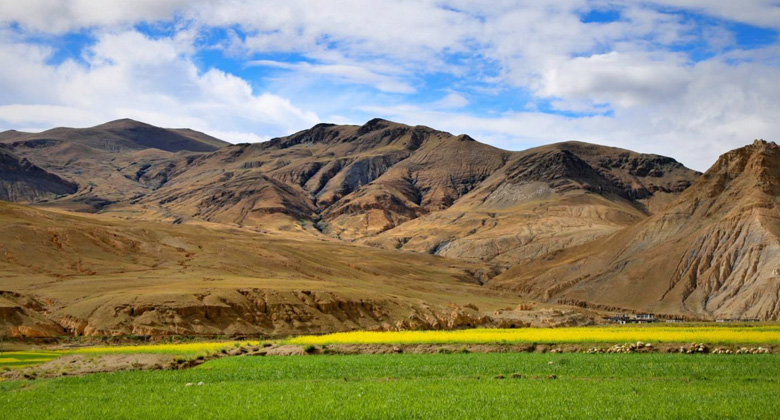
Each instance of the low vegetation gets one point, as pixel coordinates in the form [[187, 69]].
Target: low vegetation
[[498, 385]]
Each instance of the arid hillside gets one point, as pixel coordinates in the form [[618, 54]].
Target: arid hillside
[[544, 200], [377, 226], [66, 274], [715, 251]]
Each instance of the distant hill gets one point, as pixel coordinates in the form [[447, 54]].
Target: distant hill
[[107, 159], [377, 226], [120, 135], [418, 189]]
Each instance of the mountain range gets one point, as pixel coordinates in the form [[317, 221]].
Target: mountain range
[[127, 228]]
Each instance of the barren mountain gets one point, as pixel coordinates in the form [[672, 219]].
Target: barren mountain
[[22, 181], [120, 135], [348, 181], [382, 183], [544, 200], [713, 252], [418, 189]]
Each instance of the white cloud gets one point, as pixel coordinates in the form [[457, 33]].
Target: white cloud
[[755, 12], [622, 79], [131, 75], [452, 101], [345, 72], [59, 16]]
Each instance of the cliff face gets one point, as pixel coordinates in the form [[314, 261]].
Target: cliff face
[[713, 252]]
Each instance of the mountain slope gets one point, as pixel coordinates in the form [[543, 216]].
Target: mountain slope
[[383, 184], [395, 186], [350, 181], [66, 274], [22, 181], [714, 252], [543, 200]]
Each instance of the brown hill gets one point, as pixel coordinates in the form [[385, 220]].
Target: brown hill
[[713, 252], [543, 200], [69, 274], [383, 184], [351, 181], [107, 161], [22, 181]]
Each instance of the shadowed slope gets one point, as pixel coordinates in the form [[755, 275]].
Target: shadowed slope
[[20, 180]]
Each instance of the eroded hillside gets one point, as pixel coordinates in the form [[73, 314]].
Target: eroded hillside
[[715, 251]]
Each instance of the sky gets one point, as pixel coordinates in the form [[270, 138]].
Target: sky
[[690, 79]]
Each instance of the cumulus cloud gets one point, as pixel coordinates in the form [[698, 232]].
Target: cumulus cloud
[[128, 74], [453, 100]]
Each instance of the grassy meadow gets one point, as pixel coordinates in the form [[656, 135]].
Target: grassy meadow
[[421, 386], [467, 386]]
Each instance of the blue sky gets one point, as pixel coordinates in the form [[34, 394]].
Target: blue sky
[[685, 78]]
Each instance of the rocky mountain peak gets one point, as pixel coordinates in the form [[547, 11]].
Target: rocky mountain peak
[[374, 125], [752, 168]]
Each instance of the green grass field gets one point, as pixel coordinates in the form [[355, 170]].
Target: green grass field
[[20, 359], [466, 386]]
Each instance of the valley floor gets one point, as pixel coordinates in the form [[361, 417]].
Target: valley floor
[[468, 386]]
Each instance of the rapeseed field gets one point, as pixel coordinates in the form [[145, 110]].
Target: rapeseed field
[[622, 334]]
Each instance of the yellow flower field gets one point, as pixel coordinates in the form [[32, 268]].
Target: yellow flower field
[[168, 348], [682, 334]]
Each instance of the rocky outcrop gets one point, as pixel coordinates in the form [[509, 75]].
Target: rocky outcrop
[[249, 312], [22, 317]]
